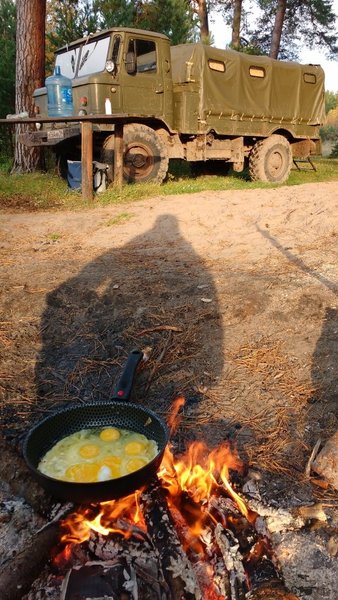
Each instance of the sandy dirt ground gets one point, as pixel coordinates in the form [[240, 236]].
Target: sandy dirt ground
[[233, 295]]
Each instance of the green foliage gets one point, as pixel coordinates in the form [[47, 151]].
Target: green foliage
[[115, 13], [310, 23], [73, 19], [7, 75], [331, 101], [249, 47], [172, 17], [7, 54], [328, 132], [67, 21], [334, 151]]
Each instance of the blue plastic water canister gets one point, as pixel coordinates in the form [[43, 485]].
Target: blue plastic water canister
[[59, 94]]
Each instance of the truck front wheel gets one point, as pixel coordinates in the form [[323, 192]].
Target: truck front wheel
[[271, 160], [145, 154]]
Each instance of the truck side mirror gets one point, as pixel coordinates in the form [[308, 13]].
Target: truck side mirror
[[130, 63]]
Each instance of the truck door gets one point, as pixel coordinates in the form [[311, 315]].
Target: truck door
[[142, 85]]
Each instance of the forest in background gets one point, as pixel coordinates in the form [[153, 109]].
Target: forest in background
[[30, 32]]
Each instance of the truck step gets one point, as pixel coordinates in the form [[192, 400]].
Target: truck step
[[309, 166]]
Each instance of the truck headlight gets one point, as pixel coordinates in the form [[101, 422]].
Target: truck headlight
[[110, 66]]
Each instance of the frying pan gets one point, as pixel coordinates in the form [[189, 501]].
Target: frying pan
[[116, 412]]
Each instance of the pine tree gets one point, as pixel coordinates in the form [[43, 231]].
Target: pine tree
[[287, 25], [30, 72]]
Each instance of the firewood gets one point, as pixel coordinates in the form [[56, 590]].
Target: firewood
[[115, 580], [233, 562], [18, 574], [252, 558], [270, 592], [176, 568], [206, 561], [139, 554]]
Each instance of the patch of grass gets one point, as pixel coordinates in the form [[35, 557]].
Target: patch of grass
[[121, 218], [38, 191], [33, 191], [54, 237]]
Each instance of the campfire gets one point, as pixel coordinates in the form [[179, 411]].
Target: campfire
[[188, 535]]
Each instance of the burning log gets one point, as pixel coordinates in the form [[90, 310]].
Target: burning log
[[271, 593], [176, 568], [233, 562], [19, 573], [198, 541], [115, 580], [139, 554], [243, 545]]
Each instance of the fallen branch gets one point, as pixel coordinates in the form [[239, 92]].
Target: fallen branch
[[312, 458], [159, 328]]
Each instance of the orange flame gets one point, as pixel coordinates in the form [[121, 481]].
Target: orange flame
[[80, 525], [189, 480], [200, 471], [173, 420]]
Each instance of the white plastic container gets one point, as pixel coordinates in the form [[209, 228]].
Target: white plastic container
[[107, 107], [59, 94]]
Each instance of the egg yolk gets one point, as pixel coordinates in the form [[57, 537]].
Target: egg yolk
[[134, 464], [134, 448], [110, 434], [89, 450], [82, 473]]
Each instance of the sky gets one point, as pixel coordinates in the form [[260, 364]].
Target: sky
[[222, 36]]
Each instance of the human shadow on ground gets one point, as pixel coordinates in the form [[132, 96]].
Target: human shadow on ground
[[154, 292], [322, 416]]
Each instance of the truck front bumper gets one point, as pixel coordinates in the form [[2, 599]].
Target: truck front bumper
[[48, 137]]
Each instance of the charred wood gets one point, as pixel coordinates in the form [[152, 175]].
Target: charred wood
[[206, 561], [253, 552], [269, 592], [115, 580], [14, 471], [176, 568], [18, 574], [138, 552], [229, 547]]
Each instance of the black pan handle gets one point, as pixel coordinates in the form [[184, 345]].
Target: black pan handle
[[124, 385]]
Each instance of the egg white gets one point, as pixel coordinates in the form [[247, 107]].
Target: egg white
[[66, 453]]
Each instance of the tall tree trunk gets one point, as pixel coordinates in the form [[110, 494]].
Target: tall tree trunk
[[236, 25], [277, 29], [202, 13], [30, 72]]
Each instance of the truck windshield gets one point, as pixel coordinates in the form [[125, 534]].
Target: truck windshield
[[84, 60], [93, 57], [68, 62]]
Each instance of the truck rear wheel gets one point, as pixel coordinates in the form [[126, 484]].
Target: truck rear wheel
[[271, 160], [145, 154]]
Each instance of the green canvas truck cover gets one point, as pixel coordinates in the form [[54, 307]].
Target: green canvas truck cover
[[241, 86]]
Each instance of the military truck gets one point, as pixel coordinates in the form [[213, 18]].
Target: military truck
[[192, 102]]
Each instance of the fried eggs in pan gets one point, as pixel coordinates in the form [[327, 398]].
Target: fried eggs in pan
[[94, 455]]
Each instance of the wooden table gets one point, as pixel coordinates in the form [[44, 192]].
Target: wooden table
[[87, 123]]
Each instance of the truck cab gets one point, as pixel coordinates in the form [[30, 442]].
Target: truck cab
[[129, 67]]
